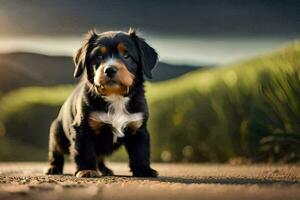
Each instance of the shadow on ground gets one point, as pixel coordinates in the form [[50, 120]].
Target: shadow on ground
[[216, 180]]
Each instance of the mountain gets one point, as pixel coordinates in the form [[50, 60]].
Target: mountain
[[26, 69], [165, 71], [29, 69]]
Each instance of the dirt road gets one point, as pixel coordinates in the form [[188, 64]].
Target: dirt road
[[176, 181]]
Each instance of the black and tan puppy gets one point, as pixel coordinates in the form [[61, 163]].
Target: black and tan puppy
[[107, 108]]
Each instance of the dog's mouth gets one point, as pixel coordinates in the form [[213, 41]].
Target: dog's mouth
[[106, 82], [111, 87], [111, 83]]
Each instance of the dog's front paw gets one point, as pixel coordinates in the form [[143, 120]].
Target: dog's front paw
[[106, 172], [87, 174], [52, 170], [145, 172]]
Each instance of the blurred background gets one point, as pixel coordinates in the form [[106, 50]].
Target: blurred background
[[226, 89]]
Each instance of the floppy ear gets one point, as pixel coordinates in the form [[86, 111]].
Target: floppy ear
[[148, 55], [79, 61], [81, 54]]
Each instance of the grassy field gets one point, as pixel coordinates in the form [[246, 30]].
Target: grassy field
[[248, 110]]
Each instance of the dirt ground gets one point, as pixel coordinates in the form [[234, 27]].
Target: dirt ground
[[176, 181]]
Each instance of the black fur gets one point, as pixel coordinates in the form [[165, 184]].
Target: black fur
[[70, 131]]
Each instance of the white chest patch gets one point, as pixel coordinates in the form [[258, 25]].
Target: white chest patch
[[117, 116]]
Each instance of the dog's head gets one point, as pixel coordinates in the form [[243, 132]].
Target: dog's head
[[114, 61]]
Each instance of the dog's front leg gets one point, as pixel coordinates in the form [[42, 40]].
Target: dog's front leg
[[138, 148], [84, 154]]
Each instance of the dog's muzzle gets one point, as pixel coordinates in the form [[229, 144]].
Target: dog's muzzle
[[113, 78]]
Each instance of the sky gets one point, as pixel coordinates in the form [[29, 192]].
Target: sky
[[192, 32]]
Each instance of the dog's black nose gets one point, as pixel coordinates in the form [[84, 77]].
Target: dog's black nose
[[110, 71]]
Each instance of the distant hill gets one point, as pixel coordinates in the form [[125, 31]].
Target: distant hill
[[165, 71], [29, 69]]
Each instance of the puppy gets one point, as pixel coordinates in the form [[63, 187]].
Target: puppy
[[107, 108]]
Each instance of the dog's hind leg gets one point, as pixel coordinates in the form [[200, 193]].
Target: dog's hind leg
[[105, 171], [57, 145]]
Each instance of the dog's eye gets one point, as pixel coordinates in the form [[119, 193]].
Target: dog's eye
[[126, 55]]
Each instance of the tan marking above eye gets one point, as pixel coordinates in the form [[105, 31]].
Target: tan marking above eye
[[121, 48], [103, 50]]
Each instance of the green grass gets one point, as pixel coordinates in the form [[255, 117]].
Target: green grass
[[12, 150], [249, 109], [27, 113], [20, 98], [225, 112]]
